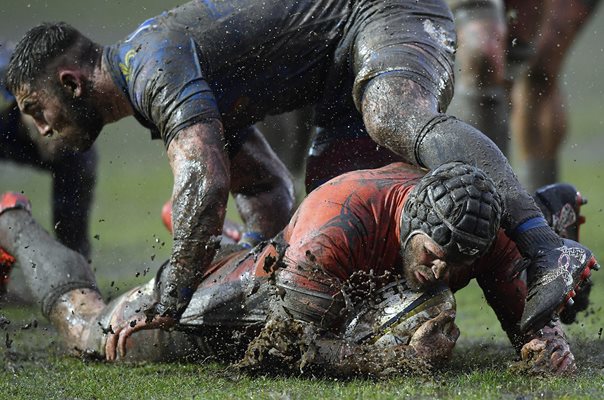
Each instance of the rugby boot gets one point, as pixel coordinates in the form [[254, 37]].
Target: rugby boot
[[561, 205], [553, 278], [9, 201]]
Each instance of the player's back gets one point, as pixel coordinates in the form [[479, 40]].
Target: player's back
[[352, 222], [267, 54]]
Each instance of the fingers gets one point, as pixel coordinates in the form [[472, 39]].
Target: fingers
[[116, 342], [123, 336], [111, 345], [529, 350], [549, 356], [562, 359], [563, 362], [443, 318]]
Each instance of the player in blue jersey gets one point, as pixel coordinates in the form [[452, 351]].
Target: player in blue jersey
[[199, 75]]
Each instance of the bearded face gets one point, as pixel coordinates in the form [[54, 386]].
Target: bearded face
[[67, 124]]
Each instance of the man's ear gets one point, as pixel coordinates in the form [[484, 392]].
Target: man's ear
[[73, 81]]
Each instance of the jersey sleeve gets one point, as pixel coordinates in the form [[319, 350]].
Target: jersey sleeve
[[501, 279], [167, 86]]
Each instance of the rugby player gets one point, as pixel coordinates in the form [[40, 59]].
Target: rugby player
[[73, 174], [199, 75], [356, 248], [511, 52]]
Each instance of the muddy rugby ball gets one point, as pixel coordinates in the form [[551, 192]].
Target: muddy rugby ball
[[397, 314]]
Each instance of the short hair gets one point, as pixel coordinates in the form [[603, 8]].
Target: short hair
[[456, 205], [40, 46]]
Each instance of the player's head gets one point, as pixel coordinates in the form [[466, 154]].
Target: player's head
[[50, 75], [450, 218]]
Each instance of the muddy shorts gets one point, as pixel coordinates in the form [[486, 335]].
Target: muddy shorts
[[404, 38]]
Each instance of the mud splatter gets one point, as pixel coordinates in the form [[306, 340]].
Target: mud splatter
[[289, 346]]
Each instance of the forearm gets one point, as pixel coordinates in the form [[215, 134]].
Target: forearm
[[200, 194], [261, 186]]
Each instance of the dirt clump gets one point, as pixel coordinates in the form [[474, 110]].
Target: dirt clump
[[289, 346]]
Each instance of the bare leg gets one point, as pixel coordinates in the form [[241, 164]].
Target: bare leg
[[63, 283], [540, 119], [480, 91]]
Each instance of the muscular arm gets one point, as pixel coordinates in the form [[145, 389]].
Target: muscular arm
[[261, 186], [201, 185], [503, 287]]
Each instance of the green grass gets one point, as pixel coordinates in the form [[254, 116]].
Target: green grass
[[129, 196], [134, 182]]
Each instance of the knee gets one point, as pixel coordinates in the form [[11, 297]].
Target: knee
[[393, 110], [481, 53]]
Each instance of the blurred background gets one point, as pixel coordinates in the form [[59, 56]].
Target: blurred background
[[134, 177]]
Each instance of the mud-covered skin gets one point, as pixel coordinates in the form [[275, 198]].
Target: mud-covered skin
[[244, 292], [73, 315], [201, 187], [336, 232], [547, 352], [270, 57], [167, 62], [405, 117], [217, 67], [524, 55], [435, 138]]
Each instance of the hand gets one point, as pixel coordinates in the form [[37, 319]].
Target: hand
[[124, 329], [435, 339], [549, 353]]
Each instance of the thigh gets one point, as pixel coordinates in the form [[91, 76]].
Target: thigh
[[409, 38]]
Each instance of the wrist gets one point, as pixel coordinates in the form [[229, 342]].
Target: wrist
[[251, 239], [533, 235]]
